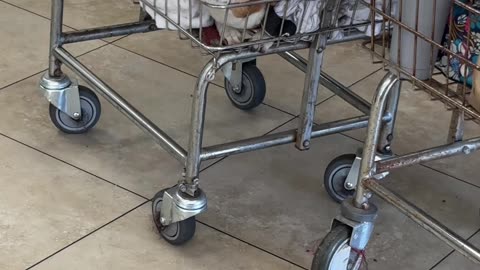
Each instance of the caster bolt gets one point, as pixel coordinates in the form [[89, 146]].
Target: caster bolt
[[76, 115], [466, 150], [183, 188], [365, 206], [162, 220], [349, 185], [306, 143]]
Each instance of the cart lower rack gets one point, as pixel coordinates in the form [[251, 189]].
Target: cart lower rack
[[76, 109]]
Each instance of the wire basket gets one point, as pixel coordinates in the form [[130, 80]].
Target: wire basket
[[256, 24], [434, 44]]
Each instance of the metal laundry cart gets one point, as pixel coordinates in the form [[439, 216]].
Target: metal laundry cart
[[75, 109], [409, 47]]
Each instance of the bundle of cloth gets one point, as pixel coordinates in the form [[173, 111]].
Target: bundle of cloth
[[301, 16], [305, 16], [186, 13]]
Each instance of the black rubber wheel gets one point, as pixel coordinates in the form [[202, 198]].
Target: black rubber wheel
[[91, 111], [177, 233], [253, 89], [336, 175], [331, 253]]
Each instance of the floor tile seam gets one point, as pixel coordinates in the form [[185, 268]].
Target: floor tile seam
[[452, 251], [73, 166], [46, 69], [252, 245], [86, 236], [357, 82]]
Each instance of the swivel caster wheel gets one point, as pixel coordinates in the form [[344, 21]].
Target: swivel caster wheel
[[252, 91], [91, 110], [177, 233], [335, 178], [334, 253]]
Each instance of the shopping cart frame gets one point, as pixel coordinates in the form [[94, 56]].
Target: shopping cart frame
[[186, 199], [377, 159]]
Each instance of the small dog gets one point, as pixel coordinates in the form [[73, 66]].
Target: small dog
[[239, 18]]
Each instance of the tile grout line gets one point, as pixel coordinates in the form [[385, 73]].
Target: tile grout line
[[48, 19], [74, 166], [22, 79], [44, 70], [278, 109], [452, 251], [161, 63], [87, 235], [26, 10], [327, 98], [252, 245], [357, 82], [34, 13]]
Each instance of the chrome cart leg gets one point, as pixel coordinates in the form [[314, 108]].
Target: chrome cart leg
[[62, 92], [174, 209], [312, 82], [388, 83], [386, 134], [342, 174], [343, 247], [56, 30]]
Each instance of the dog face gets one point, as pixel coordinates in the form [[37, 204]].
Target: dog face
[[239, 18], [249, 16], [242, 12]]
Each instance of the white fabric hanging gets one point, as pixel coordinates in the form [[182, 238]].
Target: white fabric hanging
[[180, 12]]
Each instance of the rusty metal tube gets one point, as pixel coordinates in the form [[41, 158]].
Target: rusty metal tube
[[425, 221]]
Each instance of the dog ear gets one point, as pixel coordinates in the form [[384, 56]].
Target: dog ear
[[242, 12]]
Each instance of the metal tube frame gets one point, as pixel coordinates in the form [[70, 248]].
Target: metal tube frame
[[310, 92], [192, 158], [385, 104], [380, 126]]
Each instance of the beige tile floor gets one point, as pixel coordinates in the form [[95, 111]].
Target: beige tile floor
[[81, 202]]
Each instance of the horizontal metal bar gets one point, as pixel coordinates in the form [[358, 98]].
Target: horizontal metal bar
[[108, 31], [295, 59], [455, 149], [236, 5], [425, 221], [286, 137], [122, 105], [330, 83]]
